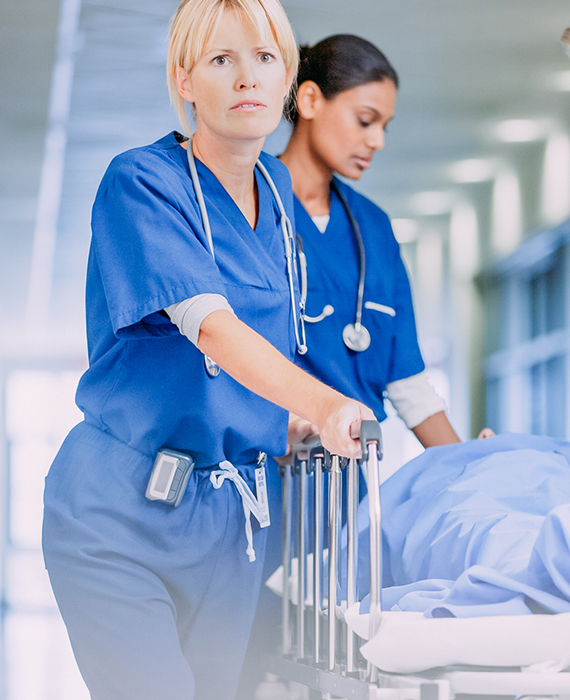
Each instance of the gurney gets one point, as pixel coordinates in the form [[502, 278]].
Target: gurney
[[334, 650]]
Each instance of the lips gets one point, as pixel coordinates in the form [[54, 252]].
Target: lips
[[248, 106], [363, 163]]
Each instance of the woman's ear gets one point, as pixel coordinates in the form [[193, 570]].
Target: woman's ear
[[184, 84], [309, 98]]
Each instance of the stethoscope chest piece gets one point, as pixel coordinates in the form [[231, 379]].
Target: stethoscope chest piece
[[356, 337], [212, 369]]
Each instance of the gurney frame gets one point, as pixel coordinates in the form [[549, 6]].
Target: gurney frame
[[318, 650]]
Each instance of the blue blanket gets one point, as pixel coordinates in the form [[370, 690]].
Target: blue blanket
[[478, 528]]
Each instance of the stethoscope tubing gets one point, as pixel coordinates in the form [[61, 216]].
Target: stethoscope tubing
[[200, 197], [362, 253], [355, 336], [286, 229]]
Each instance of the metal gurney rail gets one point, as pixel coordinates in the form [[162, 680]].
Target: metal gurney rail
[[319, 651]]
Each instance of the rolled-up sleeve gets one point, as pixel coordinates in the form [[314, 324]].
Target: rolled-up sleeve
[[189, 314], [414, 399]]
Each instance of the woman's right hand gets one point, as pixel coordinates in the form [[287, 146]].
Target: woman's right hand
[[338, 415]]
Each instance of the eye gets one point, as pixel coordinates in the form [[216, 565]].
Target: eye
[[220, 61], [364, 123], [266, 58]]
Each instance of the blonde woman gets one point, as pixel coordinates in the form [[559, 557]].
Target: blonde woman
[[155, 509]]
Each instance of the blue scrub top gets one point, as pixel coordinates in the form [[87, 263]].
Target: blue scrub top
[[332, 270], [146, 383]]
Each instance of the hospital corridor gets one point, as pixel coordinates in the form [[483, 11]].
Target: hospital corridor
[[464, 155]]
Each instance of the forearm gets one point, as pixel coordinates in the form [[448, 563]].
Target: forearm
[[256, 364], [436, 430]]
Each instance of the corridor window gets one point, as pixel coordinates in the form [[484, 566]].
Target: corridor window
[[528, 338], [38, 662], [548, 397], [546, 298]]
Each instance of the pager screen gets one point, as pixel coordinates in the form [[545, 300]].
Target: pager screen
[[166, 468]]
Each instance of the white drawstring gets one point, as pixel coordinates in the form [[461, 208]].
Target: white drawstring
[[249, 501]]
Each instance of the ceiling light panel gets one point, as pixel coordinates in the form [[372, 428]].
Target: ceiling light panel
[[519, 130], [472, 170]]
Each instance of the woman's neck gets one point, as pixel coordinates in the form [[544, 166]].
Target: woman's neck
[[310, 176], [233, 164]]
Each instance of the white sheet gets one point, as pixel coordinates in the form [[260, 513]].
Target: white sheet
[[275, 584], [408, 642], [275, 581]]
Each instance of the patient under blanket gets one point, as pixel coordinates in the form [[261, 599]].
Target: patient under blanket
[[478, 528]]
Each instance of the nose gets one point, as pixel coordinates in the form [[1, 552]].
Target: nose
[[246, 79], [375, 135]]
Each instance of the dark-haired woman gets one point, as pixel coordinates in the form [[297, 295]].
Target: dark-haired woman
[[346, 98]]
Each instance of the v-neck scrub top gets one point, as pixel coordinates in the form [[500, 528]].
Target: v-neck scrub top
[[146, 384], [333, 274]]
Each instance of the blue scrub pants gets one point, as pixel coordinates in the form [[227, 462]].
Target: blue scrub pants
[[158, 601], [266, 628]]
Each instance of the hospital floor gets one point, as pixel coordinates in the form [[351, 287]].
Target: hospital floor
[[274, 689]]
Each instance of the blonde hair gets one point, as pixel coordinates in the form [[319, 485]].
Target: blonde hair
[[196, 21]]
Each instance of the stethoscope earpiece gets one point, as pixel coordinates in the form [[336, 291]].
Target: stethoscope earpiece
[[328, 310], [356, 337]]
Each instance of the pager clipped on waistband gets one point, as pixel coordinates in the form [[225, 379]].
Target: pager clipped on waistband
[[169, 477]]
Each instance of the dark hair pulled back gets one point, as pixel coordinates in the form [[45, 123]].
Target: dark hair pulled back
[[342, 62]]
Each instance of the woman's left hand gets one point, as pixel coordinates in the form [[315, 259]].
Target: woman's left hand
[[299, 431]]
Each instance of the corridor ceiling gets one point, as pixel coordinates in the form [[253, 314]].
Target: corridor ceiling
[[463, 66]]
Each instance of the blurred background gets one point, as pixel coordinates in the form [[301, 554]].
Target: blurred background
[[475, 174]]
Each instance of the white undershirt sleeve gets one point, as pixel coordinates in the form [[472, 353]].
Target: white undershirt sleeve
[[189, 313], [414, 399]]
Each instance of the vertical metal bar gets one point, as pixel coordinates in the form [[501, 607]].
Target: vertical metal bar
[[375, 511], [352, 555], [287, 497], [301, 469], [335, 486], [310, 570], [318, 560]]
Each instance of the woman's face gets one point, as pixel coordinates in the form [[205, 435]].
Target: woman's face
[[347, 129], [239, 84]]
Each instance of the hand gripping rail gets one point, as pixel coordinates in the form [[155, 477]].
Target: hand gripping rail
[[318, 649]]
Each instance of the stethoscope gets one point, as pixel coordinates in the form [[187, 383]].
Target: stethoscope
[[212, 368], [355, 336]]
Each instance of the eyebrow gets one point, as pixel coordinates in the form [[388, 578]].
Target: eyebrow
[[376, 112], [255, 48]]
